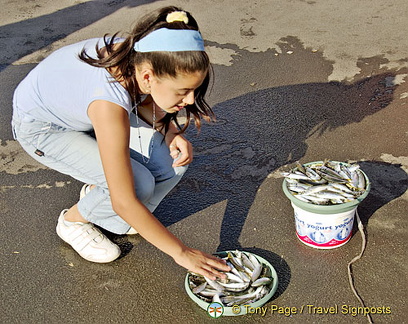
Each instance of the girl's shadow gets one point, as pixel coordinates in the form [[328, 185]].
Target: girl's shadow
[[259, 132]]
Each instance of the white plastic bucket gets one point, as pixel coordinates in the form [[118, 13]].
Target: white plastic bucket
[[323, 231], [324, 226]]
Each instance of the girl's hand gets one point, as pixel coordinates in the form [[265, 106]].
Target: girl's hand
[[202, 263], [180, 149]]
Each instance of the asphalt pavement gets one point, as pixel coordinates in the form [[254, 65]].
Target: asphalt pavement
[[293, 81]]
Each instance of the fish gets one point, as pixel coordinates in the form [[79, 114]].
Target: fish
[[200, 288], [208, 293], [361, 181], [315, 189], [326, 183], [341, 187], [233, 278], [249, 295], [235, 299], [261, 282], [216, 299], [248, 281], [315, 200], [214, 284], [298, 187], [247, 262], [295, 176], [300, 167], [313, 175], [256, 273], [235, 286]]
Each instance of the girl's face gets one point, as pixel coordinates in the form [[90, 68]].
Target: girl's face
[[174, 94]]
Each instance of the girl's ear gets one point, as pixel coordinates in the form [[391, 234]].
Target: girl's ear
[[146, 77]]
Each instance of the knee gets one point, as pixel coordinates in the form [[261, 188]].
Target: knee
[[172, 173], [180, 170], [144, 185]]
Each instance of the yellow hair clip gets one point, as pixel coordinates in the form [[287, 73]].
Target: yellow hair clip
[[177, 16]]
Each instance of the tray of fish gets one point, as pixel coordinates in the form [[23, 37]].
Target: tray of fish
[[326, 182], [252, 281]]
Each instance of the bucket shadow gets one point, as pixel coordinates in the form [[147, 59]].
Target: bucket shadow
[[388, 182]]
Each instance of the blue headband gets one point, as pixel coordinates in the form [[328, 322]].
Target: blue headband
[[170, 40]]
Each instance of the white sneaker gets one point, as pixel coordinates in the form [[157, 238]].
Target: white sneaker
[[88, 241], [86, 188]]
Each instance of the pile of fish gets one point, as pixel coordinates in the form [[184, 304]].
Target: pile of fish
[[326, 183], [248, 281]]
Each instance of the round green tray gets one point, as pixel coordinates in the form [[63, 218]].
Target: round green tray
[[233, 311]]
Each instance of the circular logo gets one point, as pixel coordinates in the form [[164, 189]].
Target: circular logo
[[215, 310]]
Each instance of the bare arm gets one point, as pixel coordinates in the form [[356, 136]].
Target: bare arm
[[111, 125]]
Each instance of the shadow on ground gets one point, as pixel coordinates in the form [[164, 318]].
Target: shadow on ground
[[259, 132], [279, 264], [30, 35], [388, 181]]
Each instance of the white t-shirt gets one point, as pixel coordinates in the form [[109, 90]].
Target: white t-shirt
[[61, 87]]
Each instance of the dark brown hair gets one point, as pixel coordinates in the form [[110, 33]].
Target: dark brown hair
[[125, 58]]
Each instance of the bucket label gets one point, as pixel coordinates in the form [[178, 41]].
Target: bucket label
[[324, 231]]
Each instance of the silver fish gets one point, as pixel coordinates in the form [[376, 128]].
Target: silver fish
[[330, 195], [233, 277], [214, 284], [361, 181], [235, 286], [313, 175], [200, 288], [354, 179], [208, 292], [315, 189], [247, 262], [228, 299], [299, 187], [303, 199], [300, 167], [261, 282], [328, 171], [314, 199], [216, 299], [256, 273], [341, 187], [234, 270], [345, 170], [253, 260], [295, 176], [339, 182], [248, 281]]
